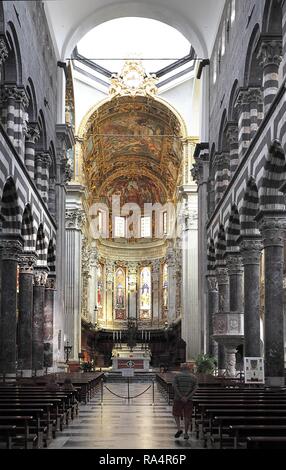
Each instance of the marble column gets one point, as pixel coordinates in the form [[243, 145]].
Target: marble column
[[235, 272], [156, 284], [48, 321], [11, 250], [283, 5], [222, 175], [270, 57], [273, 230], [25, 318], [40, 278], [32, 135], [92, 299], [232, 136], [212, 346], [73, 292], [256, 109], [250, 248], [171, 261], [223, 307]]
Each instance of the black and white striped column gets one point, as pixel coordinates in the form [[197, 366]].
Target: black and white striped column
[[222, 175], [43, 161], [256, 109], [25, 308], [270, 57], [13, 102], [32, 135], [232, 136], [243, 110]]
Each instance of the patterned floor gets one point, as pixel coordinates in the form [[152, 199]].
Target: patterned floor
[[118, 424]]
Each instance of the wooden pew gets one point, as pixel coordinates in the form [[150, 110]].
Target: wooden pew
[[240, 431], [22, 432], [266, 442], [6, 433]]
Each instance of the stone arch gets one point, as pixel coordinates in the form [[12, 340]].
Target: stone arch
[[41, 144], [211, 258], [52, 180], [250, 209], [253, 74], [220, 247], [12, 67], [272, 18], [223, 142], [2, 19], [32, 106], [28, 229], [10, 209], [51, 258], [231, 109], [41, 247], [233, 229], [274, 174]]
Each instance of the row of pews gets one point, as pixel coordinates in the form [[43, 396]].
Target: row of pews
[[240, 417], [236, 416], [32, 415]]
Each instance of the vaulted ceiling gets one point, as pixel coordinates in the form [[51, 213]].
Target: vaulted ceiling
[[70, 20], [132, 148]]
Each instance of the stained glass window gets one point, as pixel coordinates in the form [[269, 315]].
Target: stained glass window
[[145, 293], [119, 294]]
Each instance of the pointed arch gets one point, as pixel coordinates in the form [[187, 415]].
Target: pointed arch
[[220, 247], [223, 142], [12, 66], [28, 231], [10, 210], [32, 107], [231, 109], [41, 247], [253, 74], [41, 144], [250, 209], [273, 176], [272, 18], [233, 230]]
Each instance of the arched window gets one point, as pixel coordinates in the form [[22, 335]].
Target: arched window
[[145, 293], [165, 285], [119, 294], [99, 295]]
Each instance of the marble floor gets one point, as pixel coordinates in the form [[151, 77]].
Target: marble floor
[[119, 424]]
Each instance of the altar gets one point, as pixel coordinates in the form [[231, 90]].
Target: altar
[[138, 359]]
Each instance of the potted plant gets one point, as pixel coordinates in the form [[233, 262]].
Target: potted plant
[[205, 366]]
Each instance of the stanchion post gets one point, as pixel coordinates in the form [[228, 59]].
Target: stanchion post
[[101, 394], [153, 392], [128, 394]]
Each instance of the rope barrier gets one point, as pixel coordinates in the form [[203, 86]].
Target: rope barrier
[[127, 398]]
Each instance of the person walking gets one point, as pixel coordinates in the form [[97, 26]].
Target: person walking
[[184, 385]]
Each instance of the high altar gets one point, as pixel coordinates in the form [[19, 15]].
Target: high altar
[[135, 358]]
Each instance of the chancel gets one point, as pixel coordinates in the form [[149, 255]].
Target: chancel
[[142, 223]]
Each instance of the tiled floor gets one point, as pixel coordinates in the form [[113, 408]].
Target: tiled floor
[[118, 424]]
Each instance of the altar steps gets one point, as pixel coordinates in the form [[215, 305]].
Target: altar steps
[[139, 377]]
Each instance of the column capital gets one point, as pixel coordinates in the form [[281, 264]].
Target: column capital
[[250, 249], [75, 219], [272, 227], [32, 132], [200, 168], [222, 275], [40, 276], [242, 98], [3, 50], [269, 50], [27, 263], [234, 263], [212, 283], [231, 130], [254, 95], [11, 249], [17, 93], [51, 283]]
